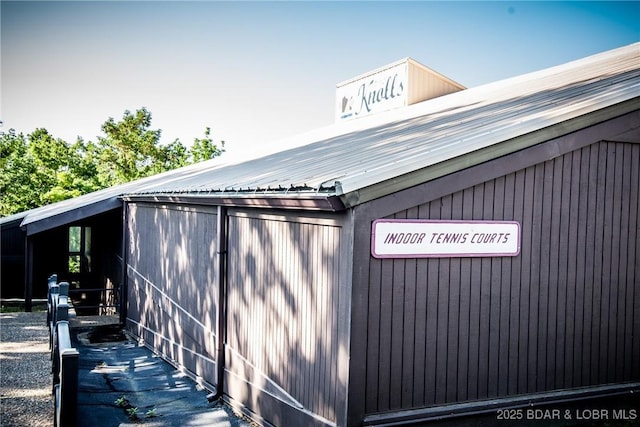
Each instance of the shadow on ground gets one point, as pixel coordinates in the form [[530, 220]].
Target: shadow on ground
[[122, 383]]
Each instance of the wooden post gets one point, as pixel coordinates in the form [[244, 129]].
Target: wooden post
[[66, 392], [52, 301], [28, 274]]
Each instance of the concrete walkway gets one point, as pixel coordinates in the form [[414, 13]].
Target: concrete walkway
[[117, 369], [124, 384]]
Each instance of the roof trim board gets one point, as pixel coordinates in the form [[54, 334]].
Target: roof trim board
[[495, 168], [71, 216], [330, 203]]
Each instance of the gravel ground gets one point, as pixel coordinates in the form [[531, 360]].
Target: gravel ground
[[25, 370]]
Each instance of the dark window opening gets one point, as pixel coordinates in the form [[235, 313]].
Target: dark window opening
[[79, 253]]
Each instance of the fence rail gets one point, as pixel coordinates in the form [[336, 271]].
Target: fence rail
[[65, 380], [64, 357], [111, 299], [58, 305]]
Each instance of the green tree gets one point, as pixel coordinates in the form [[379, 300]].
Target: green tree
[[17, 191], [78, 175], [39, 169], [205, 148], [130, 149], [63, 170], [173, 156]]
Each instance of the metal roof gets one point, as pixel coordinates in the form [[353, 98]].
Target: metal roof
[[78, 208], [371, 156], [344, 158]]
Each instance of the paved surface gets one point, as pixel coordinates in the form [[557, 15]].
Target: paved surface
[[112, 370], [124, 384]]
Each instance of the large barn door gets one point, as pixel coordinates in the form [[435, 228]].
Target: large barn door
[[172, 282], [284, 317]]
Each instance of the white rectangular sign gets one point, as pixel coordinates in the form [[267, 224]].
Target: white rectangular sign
[[399, 238], [379, 91]]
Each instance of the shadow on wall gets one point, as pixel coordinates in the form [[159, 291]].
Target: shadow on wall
[[283, 292], [172, 286], [283, 300]]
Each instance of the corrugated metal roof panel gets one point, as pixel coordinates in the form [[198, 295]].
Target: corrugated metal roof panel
[[368, 151], [433, 131]]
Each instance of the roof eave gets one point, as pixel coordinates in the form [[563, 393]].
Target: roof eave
[[329, 202], [70, 216]]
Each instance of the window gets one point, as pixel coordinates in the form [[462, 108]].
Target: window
[[79, 254]]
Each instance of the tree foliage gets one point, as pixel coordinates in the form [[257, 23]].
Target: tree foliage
[[39, 169], [130, 150], [205, 148], [19, 179]]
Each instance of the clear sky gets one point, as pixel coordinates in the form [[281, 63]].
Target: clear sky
[[259, 71]]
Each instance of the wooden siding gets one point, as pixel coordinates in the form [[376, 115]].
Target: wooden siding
[[172, 286], [563, 314], [12, 252], [287, 325]]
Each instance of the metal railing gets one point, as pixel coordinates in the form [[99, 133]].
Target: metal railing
[[111, 299], [109, 304]]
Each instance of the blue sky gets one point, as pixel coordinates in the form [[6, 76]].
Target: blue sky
[[259, 71]]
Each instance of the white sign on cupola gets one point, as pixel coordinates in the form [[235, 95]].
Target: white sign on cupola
[[402, 83]]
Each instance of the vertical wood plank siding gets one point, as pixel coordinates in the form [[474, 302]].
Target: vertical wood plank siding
[[283, 312], [565, 313], [172, 287], [12, 249]]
